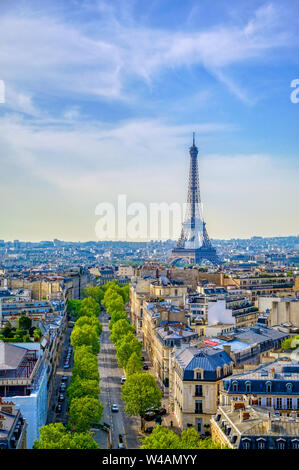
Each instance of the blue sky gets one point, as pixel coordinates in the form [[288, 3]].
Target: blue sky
[[102, 98]]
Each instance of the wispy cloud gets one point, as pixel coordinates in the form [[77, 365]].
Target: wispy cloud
[[52, 55]]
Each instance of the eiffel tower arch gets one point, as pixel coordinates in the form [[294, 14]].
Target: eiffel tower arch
[[194, 244]]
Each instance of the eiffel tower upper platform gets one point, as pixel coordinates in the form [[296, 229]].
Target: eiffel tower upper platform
[[194, 244]]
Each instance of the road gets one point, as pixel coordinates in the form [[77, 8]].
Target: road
[[54, 417], [110, 373]]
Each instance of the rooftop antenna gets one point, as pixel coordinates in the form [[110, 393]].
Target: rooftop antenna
[[193, 139]]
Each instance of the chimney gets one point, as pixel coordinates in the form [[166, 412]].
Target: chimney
[[269, 423], [244, 415], [227, 349], [272, 373], [2, 418]]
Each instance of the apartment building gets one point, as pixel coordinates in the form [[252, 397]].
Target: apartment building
[[275, 384], [197, 376]]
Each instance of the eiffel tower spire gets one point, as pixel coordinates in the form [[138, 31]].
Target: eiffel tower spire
[[194, 243]]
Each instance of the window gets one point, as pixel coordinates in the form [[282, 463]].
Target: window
[[280, 444], [235, 386], [247, 387], [279, 403], [246, 444], [198, 375], [198, 390], [198, 406], [289, 404], [269, 402], [261, 444], [289, 387], [268, 387], [295, 444]]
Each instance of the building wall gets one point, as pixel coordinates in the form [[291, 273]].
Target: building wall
[[34, 409]]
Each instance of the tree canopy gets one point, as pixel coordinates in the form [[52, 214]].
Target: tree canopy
[[134, 364], [84, 411], [139, 393], [126, 346], [164, 438], [56, 436], [120, 329], [85, 334]]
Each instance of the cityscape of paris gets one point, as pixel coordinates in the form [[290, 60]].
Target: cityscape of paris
[[149, 237]]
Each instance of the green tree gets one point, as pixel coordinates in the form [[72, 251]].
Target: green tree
[[87, 335], [37, 334], [86, 367], [92, 321], [116, 317], [73, 307], [56, 436], [161, 438], [85, 411], [119, 329], [95, 292], [24, 322], [139, 393], [134, 364], [126, 346], [79, 388], [89, 307]]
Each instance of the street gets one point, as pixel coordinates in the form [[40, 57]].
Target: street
[[53, 416], [110, 373]]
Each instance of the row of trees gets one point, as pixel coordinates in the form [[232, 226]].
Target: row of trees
[[84, 390], [140, 392]]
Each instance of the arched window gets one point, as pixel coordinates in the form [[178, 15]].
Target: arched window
[[247, 387], [246, 443], [280, 443], [289, 387], [268, 387], [261, 443], [235, 386]]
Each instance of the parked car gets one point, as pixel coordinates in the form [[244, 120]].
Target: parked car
[[62, 387], [58, 408], [66, 365], [114, 407], [123, 379], [64, 378], [149, 430], [121, 444], [61, 397], [143, 358], [145, 367], [149, 415]]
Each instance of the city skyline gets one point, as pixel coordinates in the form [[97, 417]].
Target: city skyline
[[91, 112]]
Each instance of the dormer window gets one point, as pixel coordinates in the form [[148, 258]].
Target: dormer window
[[235, 386], [246, 443], [268, 387], [289, 387], [198, 375], [280, 443], [261, 443], [248, 387]]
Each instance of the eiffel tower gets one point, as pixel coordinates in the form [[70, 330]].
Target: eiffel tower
[[194, 244]]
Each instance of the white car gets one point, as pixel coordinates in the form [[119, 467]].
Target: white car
[[123, 379], [114, 407]]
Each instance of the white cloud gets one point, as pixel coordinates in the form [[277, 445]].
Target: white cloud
[[50, 54]]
